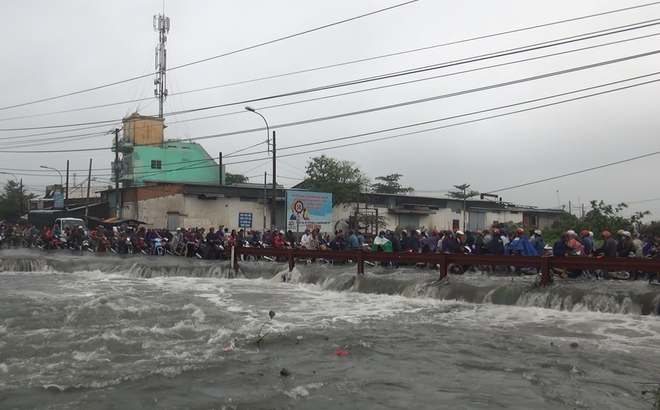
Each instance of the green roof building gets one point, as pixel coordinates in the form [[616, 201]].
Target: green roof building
[[147, 157]]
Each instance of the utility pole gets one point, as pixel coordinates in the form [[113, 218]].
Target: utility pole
[[162, 26], [89, 182], [117, 171], [20, 191], [273, 215], [66, 195], [464, 188], [265, 202], [570, 208]]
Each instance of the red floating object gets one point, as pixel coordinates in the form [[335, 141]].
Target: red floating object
[[340, 352]]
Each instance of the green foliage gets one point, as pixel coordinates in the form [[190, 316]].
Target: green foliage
[[601, 217], [10, 201], [463, 192], [508, 226], [235, 179], [341, 178], [370, 223], [652, 228], [390, 185]]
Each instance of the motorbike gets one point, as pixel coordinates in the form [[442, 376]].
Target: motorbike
[[158, 248]]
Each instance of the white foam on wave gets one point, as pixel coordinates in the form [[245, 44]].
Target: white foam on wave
[[303, 390]]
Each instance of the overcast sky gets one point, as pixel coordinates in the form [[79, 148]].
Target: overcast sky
[[55, 48]]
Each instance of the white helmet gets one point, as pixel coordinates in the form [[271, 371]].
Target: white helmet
[[591, 234]]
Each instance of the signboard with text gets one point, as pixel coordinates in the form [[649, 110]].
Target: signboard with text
[[245, 219], [58, 200], [309, 210]]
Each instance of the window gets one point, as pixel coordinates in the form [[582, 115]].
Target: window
[[156, 164], [534, 220], [455, 223]]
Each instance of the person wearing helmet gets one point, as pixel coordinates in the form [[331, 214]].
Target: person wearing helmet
[[627, 246], [450, 243], [520, 245], [406, 241], [396, 242], [487, 238], [478, 242], [381, 243], [538, 242], [339, 243], [415, 244], [608, 250], [586, 242], [496, 245], [469, 241], [574, 244], [505, 236], [430, 243], [278, 240]]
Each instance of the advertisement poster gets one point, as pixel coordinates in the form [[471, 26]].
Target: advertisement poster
[[309, 210]]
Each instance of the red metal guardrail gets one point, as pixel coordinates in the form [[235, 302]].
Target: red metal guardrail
[[545, 264]]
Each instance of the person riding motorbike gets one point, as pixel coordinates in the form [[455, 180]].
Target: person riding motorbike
[[627, 246]]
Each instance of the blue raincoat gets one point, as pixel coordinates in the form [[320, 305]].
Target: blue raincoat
[[520, 245]]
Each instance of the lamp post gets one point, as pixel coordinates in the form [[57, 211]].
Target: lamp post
[[61, 179], [56, 170], [9, 173], [273, 205]]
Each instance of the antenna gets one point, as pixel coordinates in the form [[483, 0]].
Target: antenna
[[162, 26]]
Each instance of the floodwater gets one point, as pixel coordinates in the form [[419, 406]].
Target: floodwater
[[108, 332]]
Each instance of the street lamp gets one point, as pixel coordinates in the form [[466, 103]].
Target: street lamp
[[273, 206], [56, 170], [9, 173]]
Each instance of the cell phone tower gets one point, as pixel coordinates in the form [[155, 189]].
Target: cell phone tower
[[162, 26]]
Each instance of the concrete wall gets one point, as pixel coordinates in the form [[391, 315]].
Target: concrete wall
[[194, 212], [142, 130]]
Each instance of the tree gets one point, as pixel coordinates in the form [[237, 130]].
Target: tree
[[10, 201], [463, 192], [341, 178], [390, 185], [601, 217], [235, 178]]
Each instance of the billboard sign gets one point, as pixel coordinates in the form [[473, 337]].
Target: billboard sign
[[58, 200], [245, 219], [309, 210]]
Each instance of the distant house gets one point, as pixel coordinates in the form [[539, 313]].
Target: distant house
[[173, 205], [446, 213], [148, 158]]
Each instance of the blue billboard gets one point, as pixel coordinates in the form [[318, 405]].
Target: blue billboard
[[245, 219], [309, 210]]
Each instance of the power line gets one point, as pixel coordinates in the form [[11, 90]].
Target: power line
[[433, 67], [451, 125], [610, 164], [423, 100], [455, 117], [513, 51], [211, 58]]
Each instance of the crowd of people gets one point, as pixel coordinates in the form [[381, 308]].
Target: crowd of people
[[198, 242]]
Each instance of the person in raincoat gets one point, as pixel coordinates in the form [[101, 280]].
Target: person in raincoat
[[381, 243], [520, 245]]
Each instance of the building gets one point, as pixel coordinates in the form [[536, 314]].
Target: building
[[176, 205], [148, 158], [397, 210], [173, 205]]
